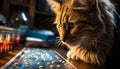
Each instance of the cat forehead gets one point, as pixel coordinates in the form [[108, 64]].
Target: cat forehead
[[71, 19], [67, 13]]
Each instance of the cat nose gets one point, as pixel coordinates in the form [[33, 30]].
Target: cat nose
[[63, 38]]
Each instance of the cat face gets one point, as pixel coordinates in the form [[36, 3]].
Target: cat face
[[77, 20]]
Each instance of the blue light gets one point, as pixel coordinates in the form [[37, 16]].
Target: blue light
[[24, 16]]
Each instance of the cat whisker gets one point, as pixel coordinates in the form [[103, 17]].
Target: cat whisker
[[59, 43]]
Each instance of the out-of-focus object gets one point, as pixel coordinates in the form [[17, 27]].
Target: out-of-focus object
[[2, 19], [45, 35], [6, 28], [19, 19], [9, 40], [41, 38]]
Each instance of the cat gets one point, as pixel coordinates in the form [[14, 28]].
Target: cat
[[86, 28]]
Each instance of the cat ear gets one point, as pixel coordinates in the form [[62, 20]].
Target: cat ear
[[84, 4], [54, 5]]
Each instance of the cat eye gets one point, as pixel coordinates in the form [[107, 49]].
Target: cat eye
[[71, 25]]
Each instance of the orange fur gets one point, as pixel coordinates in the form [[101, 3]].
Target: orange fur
[[86, 27]]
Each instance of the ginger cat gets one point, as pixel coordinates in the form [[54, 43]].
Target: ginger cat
[[86, 28]]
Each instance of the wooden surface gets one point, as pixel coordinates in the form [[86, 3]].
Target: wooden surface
[[7, 57], [77, 64]]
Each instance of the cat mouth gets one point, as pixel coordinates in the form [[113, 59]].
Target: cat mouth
[[68, 43]]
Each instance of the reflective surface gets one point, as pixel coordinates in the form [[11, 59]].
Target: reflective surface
[[34, 58]]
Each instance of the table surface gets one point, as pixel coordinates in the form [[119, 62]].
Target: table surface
[[77, 64]]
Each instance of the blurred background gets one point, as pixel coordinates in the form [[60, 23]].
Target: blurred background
[[38, 12], [32, 18]]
